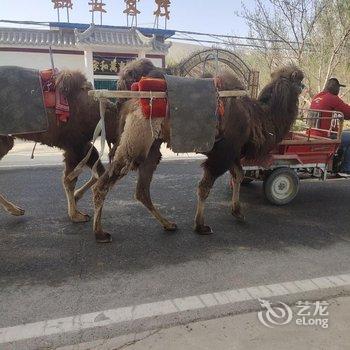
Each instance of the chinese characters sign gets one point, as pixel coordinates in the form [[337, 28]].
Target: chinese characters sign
[[162, 8], [131, 10], [61, 4], [97, 6], [307, 314], [161, 11], [109, 65]]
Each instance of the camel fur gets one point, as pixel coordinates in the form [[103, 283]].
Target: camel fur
[[250, 128], [74, 137]]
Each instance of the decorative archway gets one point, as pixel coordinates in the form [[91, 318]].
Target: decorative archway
[[211, 61]]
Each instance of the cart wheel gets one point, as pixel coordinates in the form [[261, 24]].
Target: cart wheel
[[281, 186]]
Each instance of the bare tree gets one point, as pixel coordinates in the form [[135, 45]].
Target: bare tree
[[314, 34]]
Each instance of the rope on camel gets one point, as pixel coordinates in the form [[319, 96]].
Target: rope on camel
[[99, 130]]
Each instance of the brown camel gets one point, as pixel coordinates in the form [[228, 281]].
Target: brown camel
[[74, 137], [249, 128]]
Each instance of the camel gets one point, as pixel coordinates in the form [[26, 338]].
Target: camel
[[250, 128], [74, 137]]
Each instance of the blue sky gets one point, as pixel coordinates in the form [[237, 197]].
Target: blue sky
[[195, 15]]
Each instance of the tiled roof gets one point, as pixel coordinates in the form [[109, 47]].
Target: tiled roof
[[34, 37], [93, 35], [96, 35], [163, 33]]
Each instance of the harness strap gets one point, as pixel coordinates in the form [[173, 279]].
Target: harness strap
[[99, 130]]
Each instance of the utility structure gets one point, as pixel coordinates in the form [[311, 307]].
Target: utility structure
[[62, 4], [162, 11], [97, 6], [131, 11]]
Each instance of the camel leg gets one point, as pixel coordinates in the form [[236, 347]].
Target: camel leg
[[10, 207], [103, 185], [79, 193], [146, 170], [237, 176], [134, 146], [71, 161], [203, 191], [6, 144]]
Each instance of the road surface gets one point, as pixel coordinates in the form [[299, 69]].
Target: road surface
[[53, 275]]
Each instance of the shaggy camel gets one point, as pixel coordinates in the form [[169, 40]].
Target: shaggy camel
[[249, 128], [74, 137]]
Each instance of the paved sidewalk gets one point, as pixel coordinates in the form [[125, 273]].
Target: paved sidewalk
[[239, 332], [20, 155]]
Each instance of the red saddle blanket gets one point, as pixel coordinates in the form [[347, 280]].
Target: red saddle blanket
[[52, 97], [157, 107]]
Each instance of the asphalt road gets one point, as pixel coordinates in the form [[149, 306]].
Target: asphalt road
[[52, 268]]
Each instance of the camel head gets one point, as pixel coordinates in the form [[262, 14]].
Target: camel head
[[73, 84], [283, 91], [75, 87], [291, 74], [133, 71], [281, 97]]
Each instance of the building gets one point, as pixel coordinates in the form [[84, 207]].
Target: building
[[98, 51]]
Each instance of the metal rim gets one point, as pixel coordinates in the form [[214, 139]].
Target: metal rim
[[282, 187]]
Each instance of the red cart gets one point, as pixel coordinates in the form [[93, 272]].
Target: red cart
[[307, 154]]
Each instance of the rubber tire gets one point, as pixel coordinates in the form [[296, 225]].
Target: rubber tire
[[269, 182]]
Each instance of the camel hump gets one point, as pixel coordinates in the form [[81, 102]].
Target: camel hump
[[289, 72], [229, 81], [71, 82]]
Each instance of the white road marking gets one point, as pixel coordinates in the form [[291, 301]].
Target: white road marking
[[167, 307], [26, 165]]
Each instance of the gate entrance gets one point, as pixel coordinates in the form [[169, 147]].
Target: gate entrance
[[212, 61]]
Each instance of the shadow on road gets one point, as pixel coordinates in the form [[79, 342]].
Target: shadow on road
[[45, 246]]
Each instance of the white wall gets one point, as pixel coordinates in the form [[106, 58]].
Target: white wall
[[156, 61], [41, 60], [62, 61]]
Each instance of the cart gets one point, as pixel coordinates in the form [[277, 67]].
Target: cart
[[311, 153]]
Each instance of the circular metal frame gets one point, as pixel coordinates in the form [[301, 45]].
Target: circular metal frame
[[210, 62]]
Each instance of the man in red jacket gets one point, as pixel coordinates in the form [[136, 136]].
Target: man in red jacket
[[329, 100]]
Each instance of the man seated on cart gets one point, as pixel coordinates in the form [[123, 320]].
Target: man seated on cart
[[329, 100]]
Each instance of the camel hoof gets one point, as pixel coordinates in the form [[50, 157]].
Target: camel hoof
[[103, 237], [80, 217], [238, 215], [203, 230], [170, 227], [16, 211]]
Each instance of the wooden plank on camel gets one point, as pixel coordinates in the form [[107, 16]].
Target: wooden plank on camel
[[153, 94]]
